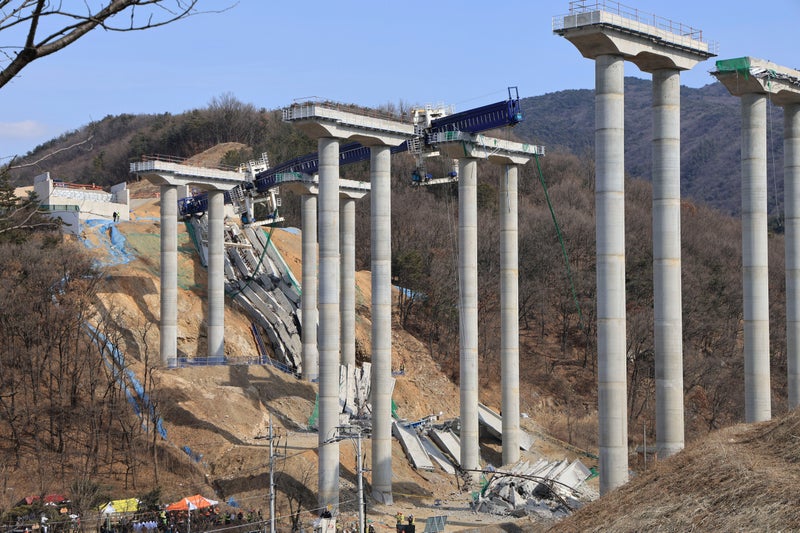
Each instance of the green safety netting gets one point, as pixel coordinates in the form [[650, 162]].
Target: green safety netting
[[312, 420], [740, 65]]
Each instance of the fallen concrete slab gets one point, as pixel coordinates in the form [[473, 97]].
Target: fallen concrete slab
[[413, 447], [493, 422]]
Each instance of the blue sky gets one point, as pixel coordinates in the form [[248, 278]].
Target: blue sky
[[269, 53]]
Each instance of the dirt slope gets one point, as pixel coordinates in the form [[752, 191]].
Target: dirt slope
[[742, 478], [220, 414]]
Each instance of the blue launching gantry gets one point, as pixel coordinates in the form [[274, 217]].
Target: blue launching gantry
[[429, 122]]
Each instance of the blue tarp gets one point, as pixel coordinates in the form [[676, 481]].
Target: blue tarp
[[110, 238], [140, 398]]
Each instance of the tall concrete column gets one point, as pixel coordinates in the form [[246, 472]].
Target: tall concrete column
[[509, 314], [468, 310], [169, 275], [347, 236], [668, 309], [328, 148], [791, 195], [610, 215], [381, 379], [309, 298], [754, 257], [216, 274]]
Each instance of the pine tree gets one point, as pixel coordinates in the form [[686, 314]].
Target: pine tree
[[20, 217]]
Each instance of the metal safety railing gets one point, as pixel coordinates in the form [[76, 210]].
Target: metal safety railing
[[311, 109], [182, 161], [637, 19]]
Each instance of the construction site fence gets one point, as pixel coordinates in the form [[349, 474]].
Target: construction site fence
[[183, 362]]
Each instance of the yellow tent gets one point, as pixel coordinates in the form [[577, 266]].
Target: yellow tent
[[120, 506]]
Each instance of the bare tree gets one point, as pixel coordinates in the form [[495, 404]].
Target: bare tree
[[45, 27], [297, 492]]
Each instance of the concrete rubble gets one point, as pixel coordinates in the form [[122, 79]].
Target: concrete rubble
[[259, 280], [549, 489]]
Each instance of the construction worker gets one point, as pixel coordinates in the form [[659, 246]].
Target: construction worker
[[399, 516]]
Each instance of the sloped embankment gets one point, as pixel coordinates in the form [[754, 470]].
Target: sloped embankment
[[742, 478]]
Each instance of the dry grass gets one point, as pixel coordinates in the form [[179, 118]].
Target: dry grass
[[743, 478]]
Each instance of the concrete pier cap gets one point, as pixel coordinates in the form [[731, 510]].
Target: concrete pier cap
[[352, 189], [161, 172], [329, 119], [457, 144], [648, 41], [749, 75]]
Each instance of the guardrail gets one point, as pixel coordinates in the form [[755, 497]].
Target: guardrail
[[186, 362], [305, 109], [634, 14], [182, 161], [636, 19]]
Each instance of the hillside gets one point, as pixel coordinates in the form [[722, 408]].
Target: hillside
[[99, 152], [220, 415], [710, 146], [742, 478]]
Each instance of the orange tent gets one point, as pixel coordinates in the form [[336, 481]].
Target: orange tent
[[191, 502]]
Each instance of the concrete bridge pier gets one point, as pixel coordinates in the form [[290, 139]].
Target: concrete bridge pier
[[610, 38], [468, 311], [328, 148], [216, 273], [169, 275], [468, 149], [754, 258], [791, 194], [309, 280], [756, 81], [171, 177], [611, 316], [381, 379], [329, 124], [667, 305], [509, 313], [347, 239]]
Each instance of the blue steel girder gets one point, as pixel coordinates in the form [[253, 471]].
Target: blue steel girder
[[198, 203], [504, 113], [309, 164], [497, 115]]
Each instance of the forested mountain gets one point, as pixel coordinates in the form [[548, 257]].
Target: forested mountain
[[561, 121], [710, 138]]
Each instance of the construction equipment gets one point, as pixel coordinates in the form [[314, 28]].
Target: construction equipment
[[429, 123]]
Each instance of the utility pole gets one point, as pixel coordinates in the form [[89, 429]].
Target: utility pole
[[271, 480], [362, 511], [360, 474]]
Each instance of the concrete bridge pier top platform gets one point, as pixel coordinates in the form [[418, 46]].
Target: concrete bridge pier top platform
[[339, 121], [306, 184], [652, 43], [167, 171], [459, 144], [750, 75]]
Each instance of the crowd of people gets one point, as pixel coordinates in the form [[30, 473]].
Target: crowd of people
[[185, 521]]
